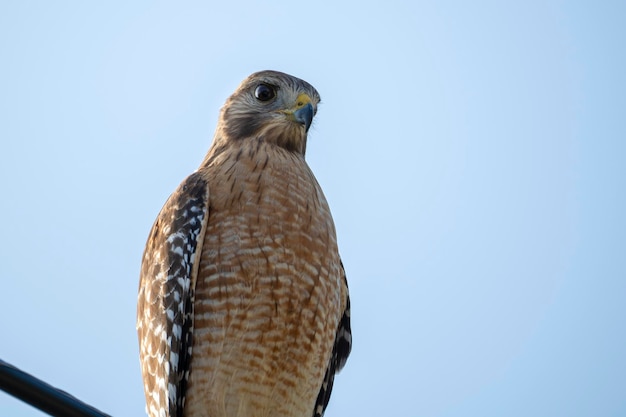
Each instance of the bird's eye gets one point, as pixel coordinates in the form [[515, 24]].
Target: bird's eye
[[264, 92]]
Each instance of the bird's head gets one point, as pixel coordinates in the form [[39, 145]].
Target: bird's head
[[270, 106]]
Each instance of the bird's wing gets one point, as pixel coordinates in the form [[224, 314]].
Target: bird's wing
[[166, 293], [339, 356]]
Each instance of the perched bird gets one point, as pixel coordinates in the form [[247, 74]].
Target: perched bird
[[243, 307]]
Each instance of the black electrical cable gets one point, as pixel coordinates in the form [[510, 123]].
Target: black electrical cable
[[43, 396]]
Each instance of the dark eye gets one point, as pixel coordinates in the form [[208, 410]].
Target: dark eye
[[264, 92]]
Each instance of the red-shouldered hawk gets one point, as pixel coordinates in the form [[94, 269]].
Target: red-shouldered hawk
[[243, 303]]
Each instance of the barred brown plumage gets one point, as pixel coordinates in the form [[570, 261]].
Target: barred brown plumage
[[243, 302]]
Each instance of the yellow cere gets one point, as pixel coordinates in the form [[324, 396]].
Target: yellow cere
[[302, 100]]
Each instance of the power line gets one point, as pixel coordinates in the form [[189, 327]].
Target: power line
[[42, 395]]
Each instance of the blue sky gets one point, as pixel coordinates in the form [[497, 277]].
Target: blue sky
[[473, 154]]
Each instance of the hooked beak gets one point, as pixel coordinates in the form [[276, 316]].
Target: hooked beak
[[302, 111], [304, 115]]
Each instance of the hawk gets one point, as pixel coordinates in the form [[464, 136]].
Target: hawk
[[243, 306]]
